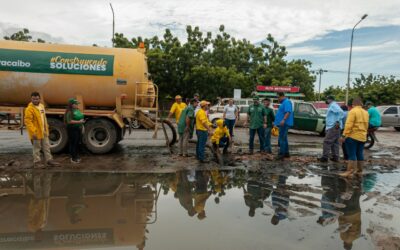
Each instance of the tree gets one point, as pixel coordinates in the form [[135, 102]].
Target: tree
[[215, 65], [377, 89], [23, 35]]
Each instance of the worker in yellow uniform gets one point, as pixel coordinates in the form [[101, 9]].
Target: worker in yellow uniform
[[354, 137], [221, 137], [203, 129], [38, 130], [177, 108]]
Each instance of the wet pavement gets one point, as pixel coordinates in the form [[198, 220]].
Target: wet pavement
[[141, 197], [209, 209]]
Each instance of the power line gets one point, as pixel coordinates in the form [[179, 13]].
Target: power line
[[359, 73]]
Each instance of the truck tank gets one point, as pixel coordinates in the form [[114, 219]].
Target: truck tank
[[60, 72]]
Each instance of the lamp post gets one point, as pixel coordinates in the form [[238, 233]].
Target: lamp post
[[113, 24], [351, 50]]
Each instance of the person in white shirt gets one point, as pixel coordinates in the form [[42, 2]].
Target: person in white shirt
[[231, 114]]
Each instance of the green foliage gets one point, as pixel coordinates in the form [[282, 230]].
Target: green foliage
[[378, 89], [23, 35], [215, 65]]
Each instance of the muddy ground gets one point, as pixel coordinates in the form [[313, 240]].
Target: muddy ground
[[141, 155], [139, 152]]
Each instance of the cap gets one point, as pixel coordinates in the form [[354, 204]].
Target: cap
[[73, 101], [196, 94], [256, 98], [178, 97], [204, 103]]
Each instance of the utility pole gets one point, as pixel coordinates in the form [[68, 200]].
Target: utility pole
[[113, 24], [351, 50], [320, 72]]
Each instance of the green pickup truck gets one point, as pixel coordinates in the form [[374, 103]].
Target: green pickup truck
[[306, 117]]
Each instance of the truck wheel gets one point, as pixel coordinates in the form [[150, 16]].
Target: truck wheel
[[58, 135], [100, 136], [397, 129], [171, 132]]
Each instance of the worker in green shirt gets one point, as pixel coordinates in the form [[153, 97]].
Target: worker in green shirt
[[375, 120], [74, 120], [186, 126], [269, 113], [257, 123]]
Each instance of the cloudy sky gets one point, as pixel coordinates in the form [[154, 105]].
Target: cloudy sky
[[311, 29]]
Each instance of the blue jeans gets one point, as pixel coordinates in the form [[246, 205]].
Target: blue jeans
[[260, 132], [355, 149], [267, 140], [230, 124], [201, 144], [283, 140]]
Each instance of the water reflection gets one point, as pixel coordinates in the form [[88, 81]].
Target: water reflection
[[50, 210]]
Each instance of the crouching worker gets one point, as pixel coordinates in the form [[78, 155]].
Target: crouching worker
[[221, 138]]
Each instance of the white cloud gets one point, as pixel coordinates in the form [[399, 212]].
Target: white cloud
[[389, 47], [87, 22]]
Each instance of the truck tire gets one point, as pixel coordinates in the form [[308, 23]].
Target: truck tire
[[171, 131], [397, 129], [100, 136], [58, 135]]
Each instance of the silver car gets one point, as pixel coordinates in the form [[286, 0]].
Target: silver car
[[390, 116]]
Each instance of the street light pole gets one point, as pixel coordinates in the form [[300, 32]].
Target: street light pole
[[351, 50], [113, 24]]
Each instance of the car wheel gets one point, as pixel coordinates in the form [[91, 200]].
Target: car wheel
[[397, 129]]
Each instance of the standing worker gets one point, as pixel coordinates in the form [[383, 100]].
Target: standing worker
[[203, 129], [186, 126], [284, 120], [258, 122], [374, 115], [74, 120], [345, 113], [177, 108], [355, 135], [38, 129], [269, 113], [334, 124], [231, 114]]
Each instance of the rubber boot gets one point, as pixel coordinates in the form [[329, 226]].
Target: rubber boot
[[351, 167], [360, 167]]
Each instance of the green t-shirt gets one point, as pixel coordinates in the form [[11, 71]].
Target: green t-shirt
[[75, 115], [187, 112], [269, 113], [256, 114]]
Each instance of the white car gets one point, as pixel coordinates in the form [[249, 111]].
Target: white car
[[241, 122]]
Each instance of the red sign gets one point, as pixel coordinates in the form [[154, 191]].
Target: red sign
[[286, 89]]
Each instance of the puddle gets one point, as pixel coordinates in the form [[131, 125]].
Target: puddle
[[213, 209]]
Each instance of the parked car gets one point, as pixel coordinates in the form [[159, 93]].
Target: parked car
[[390, 116], [241, 122], [238, 102], [306, 117]]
